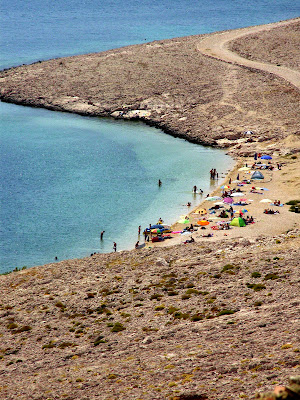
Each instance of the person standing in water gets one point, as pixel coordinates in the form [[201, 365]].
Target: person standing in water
[[159, 183], [101, 235], [115, 246]]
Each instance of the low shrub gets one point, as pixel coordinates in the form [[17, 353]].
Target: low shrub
[[63, 345], [118, 327], [271, 276], [172, 310], [228, 267], [256, 286], [225, 312], [192, 291], [256, 274], [196, 317], [24, 328], [100, 339]]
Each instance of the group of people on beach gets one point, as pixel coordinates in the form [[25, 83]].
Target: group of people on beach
[[195, 190], [213, 174]]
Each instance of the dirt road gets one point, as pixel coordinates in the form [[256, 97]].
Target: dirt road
[[216, 46]]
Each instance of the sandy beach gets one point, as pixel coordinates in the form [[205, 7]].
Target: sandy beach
[[216, 319], [282, 185]]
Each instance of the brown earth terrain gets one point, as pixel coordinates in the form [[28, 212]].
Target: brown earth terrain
[[219, 321], [208, 320]]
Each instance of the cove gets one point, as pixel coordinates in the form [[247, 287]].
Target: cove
[[65, 178]]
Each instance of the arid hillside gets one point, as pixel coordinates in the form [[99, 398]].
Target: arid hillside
[[217, 321]]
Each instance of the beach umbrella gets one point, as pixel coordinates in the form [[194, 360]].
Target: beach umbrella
[[225, 187], [237, 221], [244, 169], [203, 223], [266, 201], [156, 231], [228, 200], [213, 198], [183, 221], [266, 157], [243, 211], [237, 194], [157, 226], [186, 233], [201, 211]]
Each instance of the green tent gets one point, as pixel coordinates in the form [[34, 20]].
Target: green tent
[[238, 221]]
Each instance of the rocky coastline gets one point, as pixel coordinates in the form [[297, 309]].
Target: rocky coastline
[[213, 320], [171, 85]]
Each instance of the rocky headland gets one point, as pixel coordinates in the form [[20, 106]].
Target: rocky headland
[[171, 84]]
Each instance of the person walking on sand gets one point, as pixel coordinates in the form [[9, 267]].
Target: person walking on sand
[[101, 235], [115, 246]]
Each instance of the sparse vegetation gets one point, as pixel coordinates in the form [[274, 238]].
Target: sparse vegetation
[[256, 286], [271, 276], [118, 327], [256, 274]]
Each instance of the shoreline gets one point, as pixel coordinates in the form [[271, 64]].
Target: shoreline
[[28, 85], [264, 225], [215, 319], [181, 121]]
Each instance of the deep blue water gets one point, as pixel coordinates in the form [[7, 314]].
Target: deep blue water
[[64, 178]]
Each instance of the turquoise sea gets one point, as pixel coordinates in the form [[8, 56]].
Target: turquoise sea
[[64, 178]]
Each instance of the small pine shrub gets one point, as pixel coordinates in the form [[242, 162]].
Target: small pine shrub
[[255, 274], [100, 339], [192, 291], [172, 310], [225, 312], [196, 317], [118, 327], [156, 296], [172, 293], [228, 267], [180, 315], [50, 345], [293, 202], [271, 276], [256, 286], [12, 325], [24, 328], [63, 345], [60, 305], [185, 296]]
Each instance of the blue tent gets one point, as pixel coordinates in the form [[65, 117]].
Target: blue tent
[[257, 175], [266, 157]]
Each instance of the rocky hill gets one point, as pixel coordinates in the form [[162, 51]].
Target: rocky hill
[[221, 322]]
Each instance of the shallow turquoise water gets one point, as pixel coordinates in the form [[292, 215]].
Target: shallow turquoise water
[[64, 178]]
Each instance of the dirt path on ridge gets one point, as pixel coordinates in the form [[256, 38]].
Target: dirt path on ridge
[[216, 46]]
